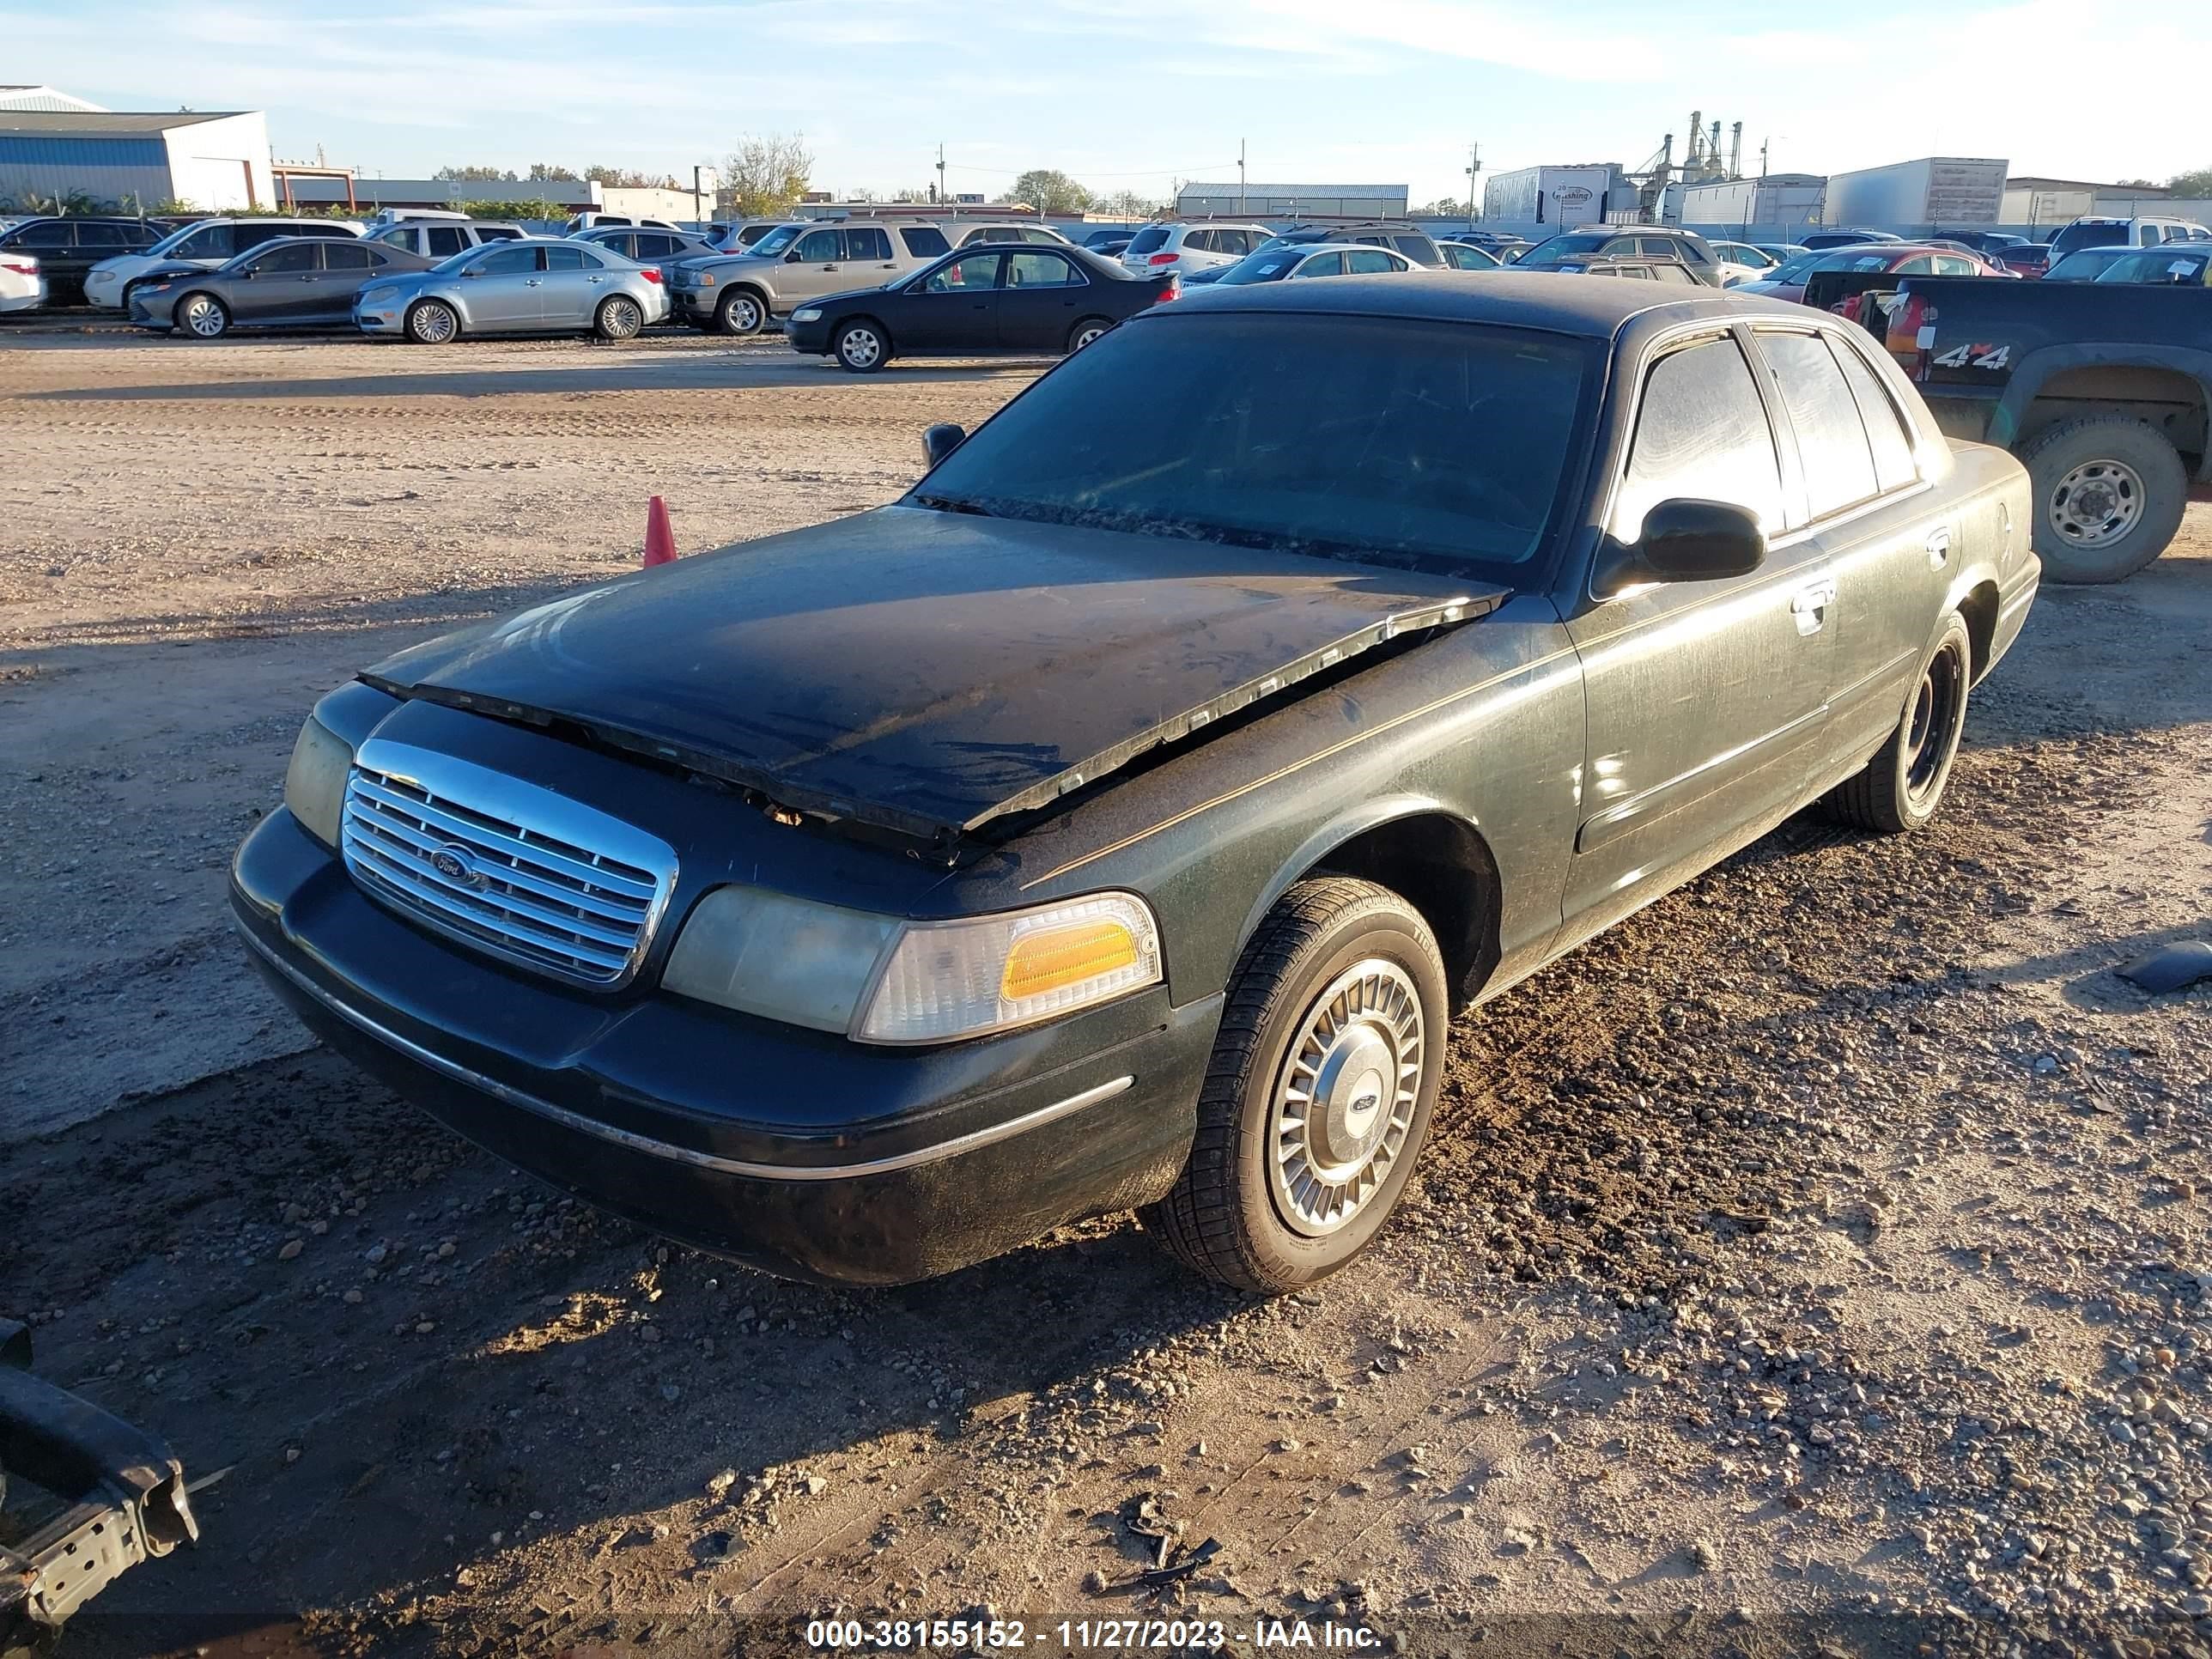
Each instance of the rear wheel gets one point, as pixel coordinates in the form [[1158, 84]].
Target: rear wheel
[[862, 347], [2109, 491], [202, 316], [1903, 785], [619, 318], [432, 322], [1318, 1093], [740, 314], [1086, 332]]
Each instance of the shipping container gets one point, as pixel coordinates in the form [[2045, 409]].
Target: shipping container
[[1786, 198], [1936, 190], [1557, 198]]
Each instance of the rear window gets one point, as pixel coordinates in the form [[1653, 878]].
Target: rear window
[[1372, 439], [924, 241], [2089, 233], [1149, 239], [1565, 247]]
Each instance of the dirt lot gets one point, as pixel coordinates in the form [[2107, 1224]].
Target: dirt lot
[[1822, 1252]]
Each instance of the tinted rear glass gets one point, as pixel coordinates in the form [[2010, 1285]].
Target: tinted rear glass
[[2089, 233], [1357, 437], [924, 241], [1151, 237]]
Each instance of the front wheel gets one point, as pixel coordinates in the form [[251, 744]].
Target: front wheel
[[2109, 491], [618, 317], [1318, 1093], [740, 314], [203, 317], [432, 322], [1903, 785], [861, 348], [1086, 332]]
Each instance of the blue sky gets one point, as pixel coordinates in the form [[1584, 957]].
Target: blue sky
[[1138, 93]]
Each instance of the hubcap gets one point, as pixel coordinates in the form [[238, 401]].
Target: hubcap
[[204, 318], [1933, 727], [1344, 1100], [1085, 337], [435, 325], [862, 347], [2096, 503], [746, 314], [622, 317]]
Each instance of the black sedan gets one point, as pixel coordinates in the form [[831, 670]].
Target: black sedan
[[1120, 818], [302, 281], [67, 248], [980, 301]]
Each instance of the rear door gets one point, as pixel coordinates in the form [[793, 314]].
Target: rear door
[[1706, 700], [1042, 297], [870, 260], [954, 309], [1368, 262], [1327, 262], [576, 280], [346, 267]]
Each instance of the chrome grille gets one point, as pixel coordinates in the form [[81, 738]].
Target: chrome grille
[[515, 870]]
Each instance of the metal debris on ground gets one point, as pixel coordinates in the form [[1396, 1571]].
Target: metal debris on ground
[[2170, 969]]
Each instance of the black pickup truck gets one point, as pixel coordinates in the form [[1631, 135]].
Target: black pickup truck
[[2101, 389]]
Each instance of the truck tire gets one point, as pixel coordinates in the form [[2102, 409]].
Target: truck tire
[[2109, 495], [1318, 1094]]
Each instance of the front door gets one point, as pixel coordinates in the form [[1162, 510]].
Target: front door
[[954, 309], [1040, 301], [502, 293], [1705, 701], [285, 287], [813, 267]]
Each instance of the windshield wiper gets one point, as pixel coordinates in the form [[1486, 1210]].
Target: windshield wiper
[[955, 504]]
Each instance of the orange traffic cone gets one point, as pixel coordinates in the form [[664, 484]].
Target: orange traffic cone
[[659, 539]]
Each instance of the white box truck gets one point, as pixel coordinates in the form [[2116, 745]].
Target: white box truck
[[1556, 198], [1936, 190]]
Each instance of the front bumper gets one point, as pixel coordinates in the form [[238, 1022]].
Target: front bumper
[[693, 304], [104, 288], [798, 1152], [154, 310]]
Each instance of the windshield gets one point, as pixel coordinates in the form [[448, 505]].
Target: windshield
[[777, 239], [2158, 265], [1378, 440], [168, 244], [1565, 247], [2083, 264]]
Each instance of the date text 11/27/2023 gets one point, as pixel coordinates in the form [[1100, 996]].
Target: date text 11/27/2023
[[1087, 1635]]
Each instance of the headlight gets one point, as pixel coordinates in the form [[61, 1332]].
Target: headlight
[[886, 981], [155, 287], [315, 783], [377, 296], [706, 279], [807, 314]]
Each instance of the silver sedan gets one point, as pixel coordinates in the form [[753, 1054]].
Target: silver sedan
[[537, 285]]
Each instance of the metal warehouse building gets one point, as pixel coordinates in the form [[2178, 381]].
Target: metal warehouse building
[[1208, 199], [213, 162]]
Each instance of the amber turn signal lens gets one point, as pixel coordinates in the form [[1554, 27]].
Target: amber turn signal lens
[[1054, 957]]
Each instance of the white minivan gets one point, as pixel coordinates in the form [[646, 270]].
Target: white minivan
[[206, 243], [1157, 250]]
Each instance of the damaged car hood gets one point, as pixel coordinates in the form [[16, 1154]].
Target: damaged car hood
[[925, 672]]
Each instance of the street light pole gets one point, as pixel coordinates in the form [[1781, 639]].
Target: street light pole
[[1474, 166]]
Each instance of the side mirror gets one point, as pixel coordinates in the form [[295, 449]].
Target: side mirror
[[1687, 540], [792, 257], [942, 439]]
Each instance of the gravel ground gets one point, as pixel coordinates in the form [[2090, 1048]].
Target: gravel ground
[[1820, 1255]]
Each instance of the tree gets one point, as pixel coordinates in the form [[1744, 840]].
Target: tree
[[1129, 204], [766, 176], [630, 178], [2192, 187], [548, 172], [1049, 190], [476, 175], [1451, 207]]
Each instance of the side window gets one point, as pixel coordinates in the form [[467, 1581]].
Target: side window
[[868, 242], [1924, 266], [1039, 270], [507, 262], [107, 236], [924, 241], [1671, 272], [497, 234], [816, 246], [447, 241], [254, 235], [1418, 249], [1366, 261], [1832, 439], [1951, 265], [346, 256], [397, 236], [2147, 236], [1619, 247], [1330, 264], [295, 258], [1887, 433], [972, 273], [1702, 432], [572, 259], [56, 233]]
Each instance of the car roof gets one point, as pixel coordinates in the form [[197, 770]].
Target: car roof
[[1594, 307]]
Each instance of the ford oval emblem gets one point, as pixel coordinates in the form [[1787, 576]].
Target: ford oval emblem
[[454, 864]]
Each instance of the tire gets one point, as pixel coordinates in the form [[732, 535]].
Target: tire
[[1341, 977], [1902, 786], [2109, 494], [202, 316], [432, 322], [618, 317], [862, 346], [740, 312], [1086, 332]]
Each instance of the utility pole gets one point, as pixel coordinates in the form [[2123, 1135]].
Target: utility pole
[[1240, 178], [1474, 166], [942, 199], [698, 193]]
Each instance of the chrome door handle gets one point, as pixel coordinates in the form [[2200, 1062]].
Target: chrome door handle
[[1810, 606], [1939, 547], [531, 282]]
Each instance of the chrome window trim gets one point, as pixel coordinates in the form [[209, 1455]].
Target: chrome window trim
[[509, 1095]]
